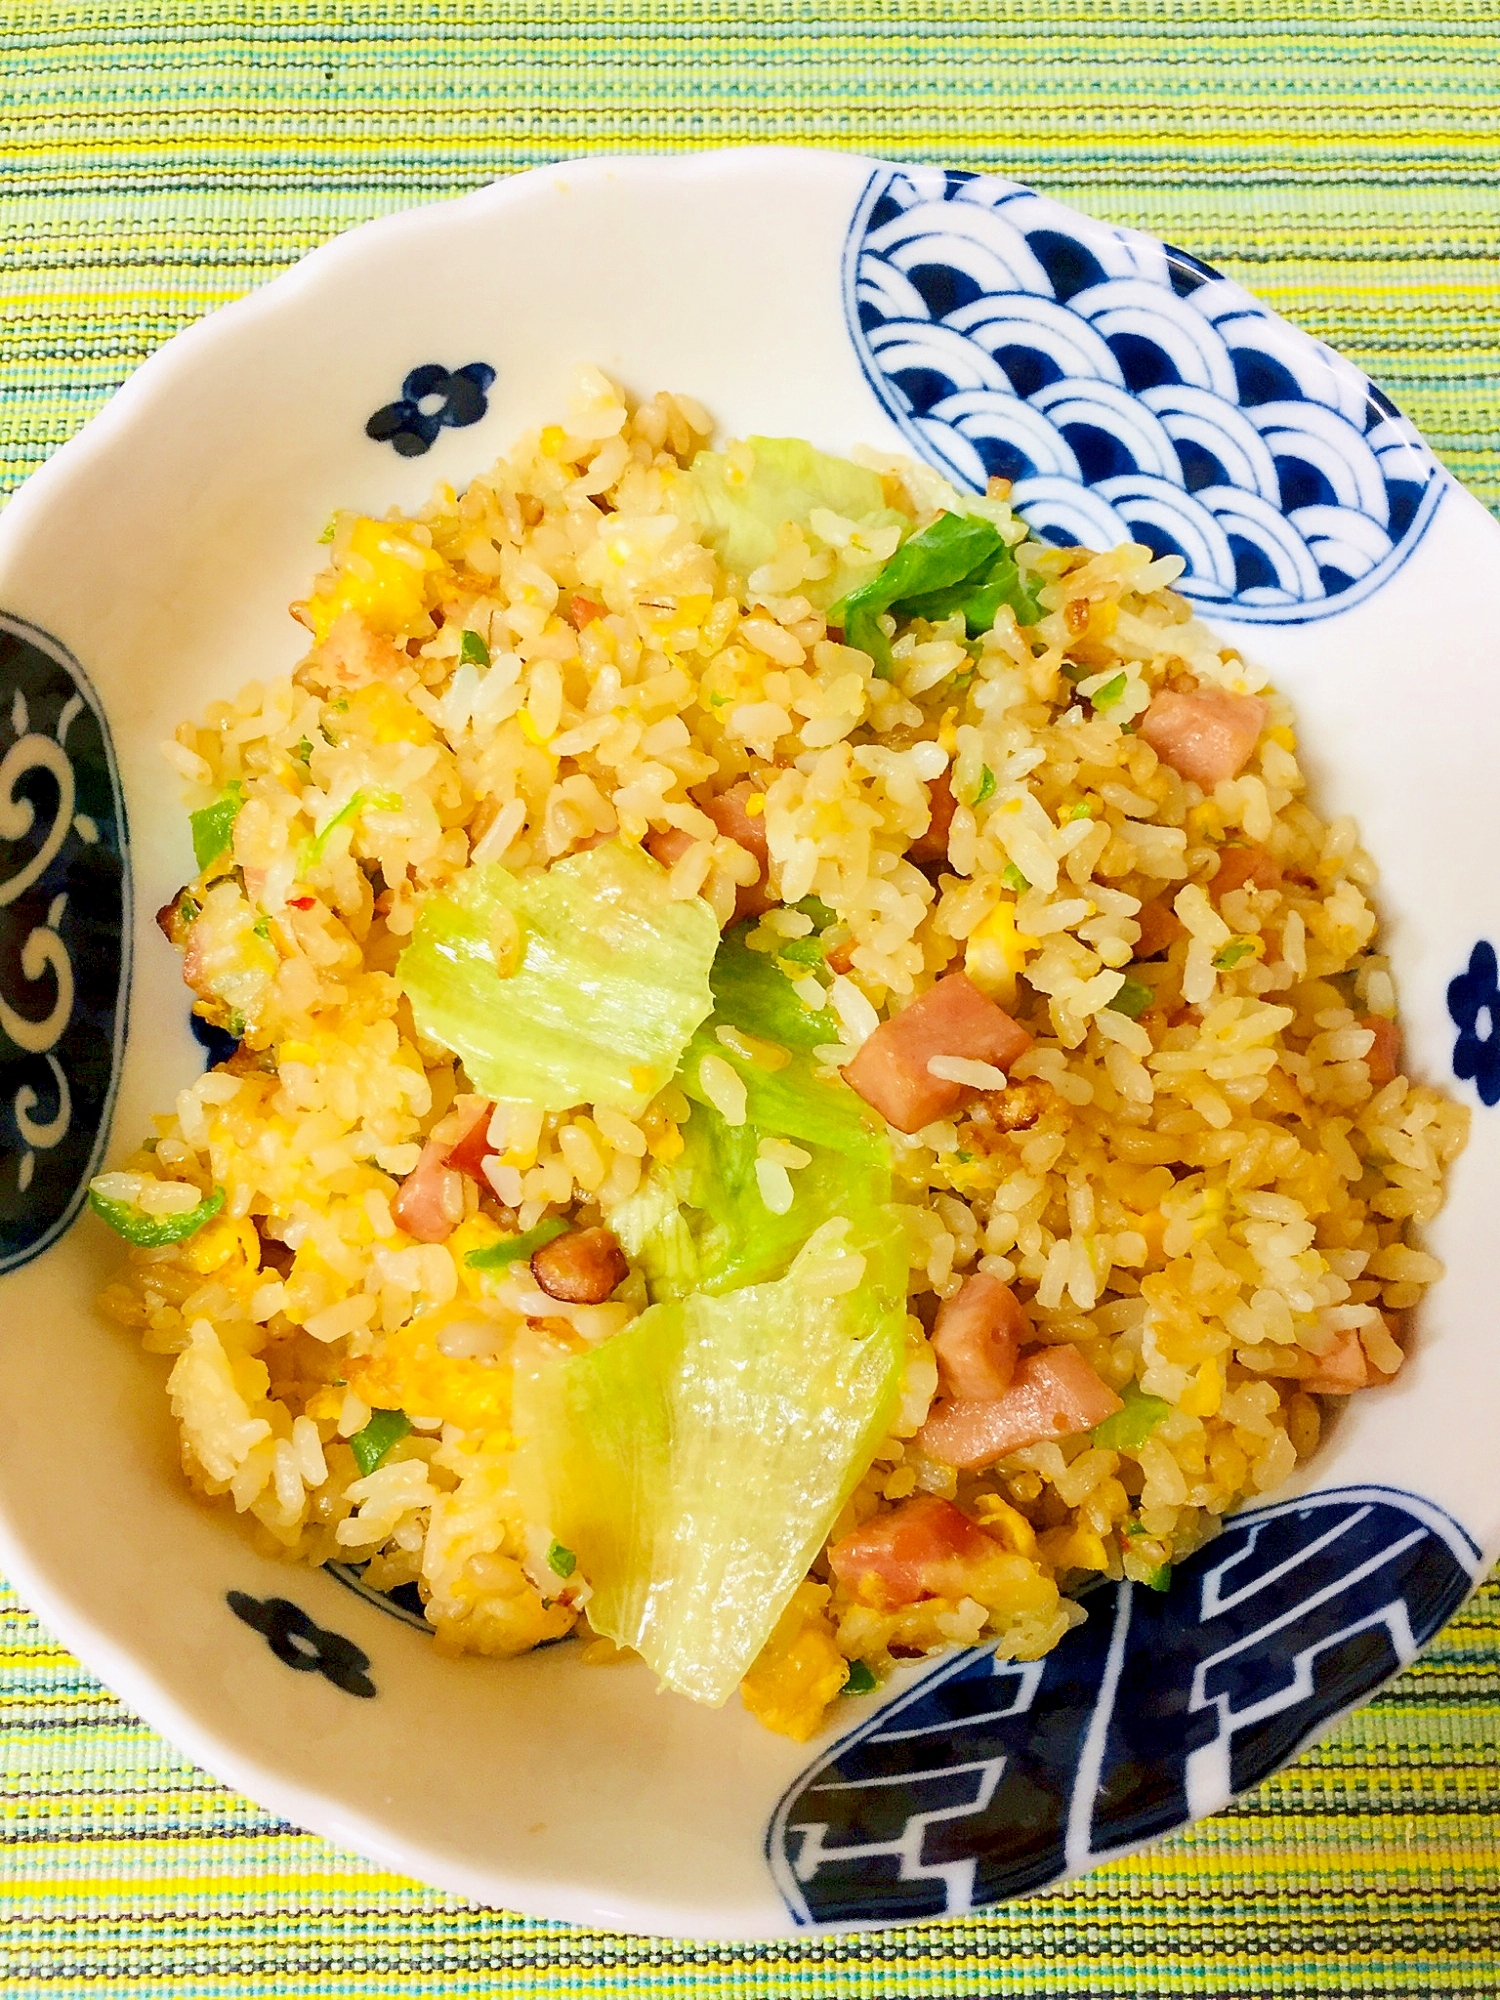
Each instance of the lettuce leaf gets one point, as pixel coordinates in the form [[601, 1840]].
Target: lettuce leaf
[[740, 518], [959, 562], [800, 1099], [701, 1223], [610, 981], [751, 993], [696, 1462]]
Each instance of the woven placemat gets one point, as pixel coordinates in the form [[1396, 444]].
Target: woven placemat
[[1339, 156]]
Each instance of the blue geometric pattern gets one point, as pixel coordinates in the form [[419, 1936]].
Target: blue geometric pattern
[[1130, 393], [990, 1778], [64, 937]]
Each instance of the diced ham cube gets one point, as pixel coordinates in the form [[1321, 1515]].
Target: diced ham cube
[[1385, 1056], [932, 846], [469, 1151], [1207, 735], [1054, 1394], [729, 813], [668, 845], [583, 611], [430, 1202], [953, 1018], [976, 1338], [1246, 862], [923, 1548], [1344, 1368], [1160, 929]]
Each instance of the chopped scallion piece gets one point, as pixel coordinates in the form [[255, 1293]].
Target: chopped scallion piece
[[1080, 809], [561, 1561], [379, 1438], [986, 786], [362, 801], [1132, 1000], [1160, 1578], [472, 650], [1109, 694], [151, 1232], [511, 1249], [814, 907], [213, 827], [1233, 952], [1014, 880], [860, 1681], [1130, 1427]]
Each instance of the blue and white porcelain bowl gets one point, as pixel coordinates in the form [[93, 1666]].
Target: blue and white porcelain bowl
[[1128, 391]]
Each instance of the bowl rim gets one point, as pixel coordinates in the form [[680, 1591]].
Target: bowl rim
[[50, 1595]]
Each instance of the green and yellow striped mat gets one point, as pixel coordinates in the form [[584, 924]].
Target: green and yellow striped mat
[[1342, 157]]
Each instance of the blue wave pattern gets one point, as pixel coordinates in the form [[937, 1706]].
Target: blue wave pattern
[[1131, 394], [991, 1778]]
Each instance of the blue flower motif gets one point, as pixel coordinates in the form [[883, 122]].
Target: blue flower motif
[[300, 1644], [431, 397], [1474, 999]]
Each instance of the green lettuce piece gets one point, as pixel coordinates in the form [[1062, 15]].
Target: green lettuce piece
[[796, 1102], [959, 562], [696, 1462], [740, 518], [701, 1223], [751, 994], [1129, 1428], [801, 1100], [213, 827], [152, 1232], [612, 979], [979, 597]]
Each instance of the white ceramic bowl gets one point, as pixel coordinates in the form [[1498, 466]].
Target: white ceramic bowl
[[148, 566]]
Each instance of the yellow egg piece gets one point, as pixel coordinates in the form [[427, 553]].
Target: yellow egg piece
[[382, 579], [996, 951]]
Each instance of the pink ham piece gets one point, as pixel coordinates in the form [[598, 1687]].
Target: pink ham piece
[[1054, 1394], [932, 846], [668, 844], [1385, 1056], [952, 1018], [976, 1338], [469, 1151], [1207, 735], [920, 1549], [429, 1204], [1343, 1369], [730, 814]]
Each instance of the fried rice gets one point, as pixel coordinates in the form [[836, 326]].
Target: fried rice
[[1206, 1175]]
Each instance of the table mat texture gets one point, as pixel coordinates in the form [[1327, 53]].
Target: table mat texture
[[1341, 157]]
